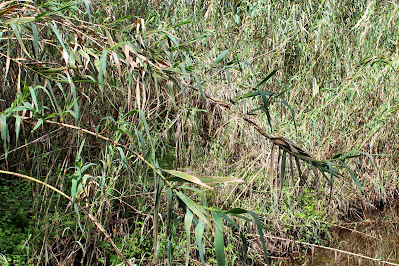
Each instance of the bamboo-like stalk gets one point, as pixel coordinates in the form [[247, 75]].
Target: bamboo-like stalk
[[108, 140], [167, 182], [91, 217]]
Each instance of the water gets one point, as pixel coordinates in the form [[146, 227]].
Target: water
[[376, 237]]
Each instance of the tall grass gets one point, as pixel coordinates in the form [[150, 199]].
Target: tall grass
[[132, 111]]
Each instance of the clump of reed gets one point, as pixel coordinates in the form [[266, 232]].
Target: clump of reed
[[124, 115]]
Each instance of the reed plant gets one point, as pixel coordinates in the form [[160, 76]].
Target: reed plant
[[151, 130]]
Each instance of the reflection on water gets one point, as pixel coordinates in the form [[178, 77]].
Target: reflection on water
[[376, 237]]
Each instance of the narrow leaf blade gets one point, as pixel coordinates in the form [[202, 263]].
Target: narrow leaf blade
[[187, 177], [218, 179], [218, 240]]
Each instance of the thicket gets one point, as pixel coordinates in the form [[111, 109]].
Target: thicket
[[192, 132]]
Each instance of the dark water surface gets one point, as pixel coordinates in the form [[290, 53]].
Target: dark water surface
[[377, 237]]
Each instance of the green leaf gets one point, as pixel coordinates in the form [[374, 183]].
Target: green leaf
[[17, 128], [219, 240], [169, 195], [266, 79], [199, 192], [347, 155], [35, 39], [282, 171], [123, 157], [188, 219], [221, 57], [53, 70], [199, 86], [63, 7], [33, 95], [75, 102], [182, 23], [252, 94], [184, 71], [260, 231], [237, 211], [170, 253], [147, 130], [292, 168], [18, 109], [159, 186], [78, 154], [266, 110], [292, 112], [4, 132], [187, 177], [18, 36], [74, 188], [243, 239], [353, 176], [116, 46], [228, 78], [199, 234], [28, 106], [87, 166], [331, 180], [195, 208], [81, 246], [58, 34], [218, 179], [102, 68], [38, 124]]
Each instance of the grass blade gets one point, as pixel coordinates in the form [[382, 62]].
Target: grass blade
[[195, 208], [353, 176], [292, 112], [159, 186], [199, 234], [102, 68], [187, 177], [4, 132], [221, 56], [243, 239], [260, 231], [266, 79], [17, 128], [218, 240], [282, 171], [188, 219], [18, 36], [199, 86], [218, 179]]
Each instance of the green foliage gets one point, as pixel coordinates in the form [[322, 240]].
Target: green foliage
[[16, 222], [308, 218]]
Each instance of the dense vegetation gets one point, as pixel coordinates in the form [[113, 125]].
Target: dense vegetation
[[192, 132]]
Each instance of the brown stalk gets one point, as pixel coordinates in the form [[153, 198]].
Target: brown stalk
[[279, 141], [108, 140], [117, 144], [92, 218]]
